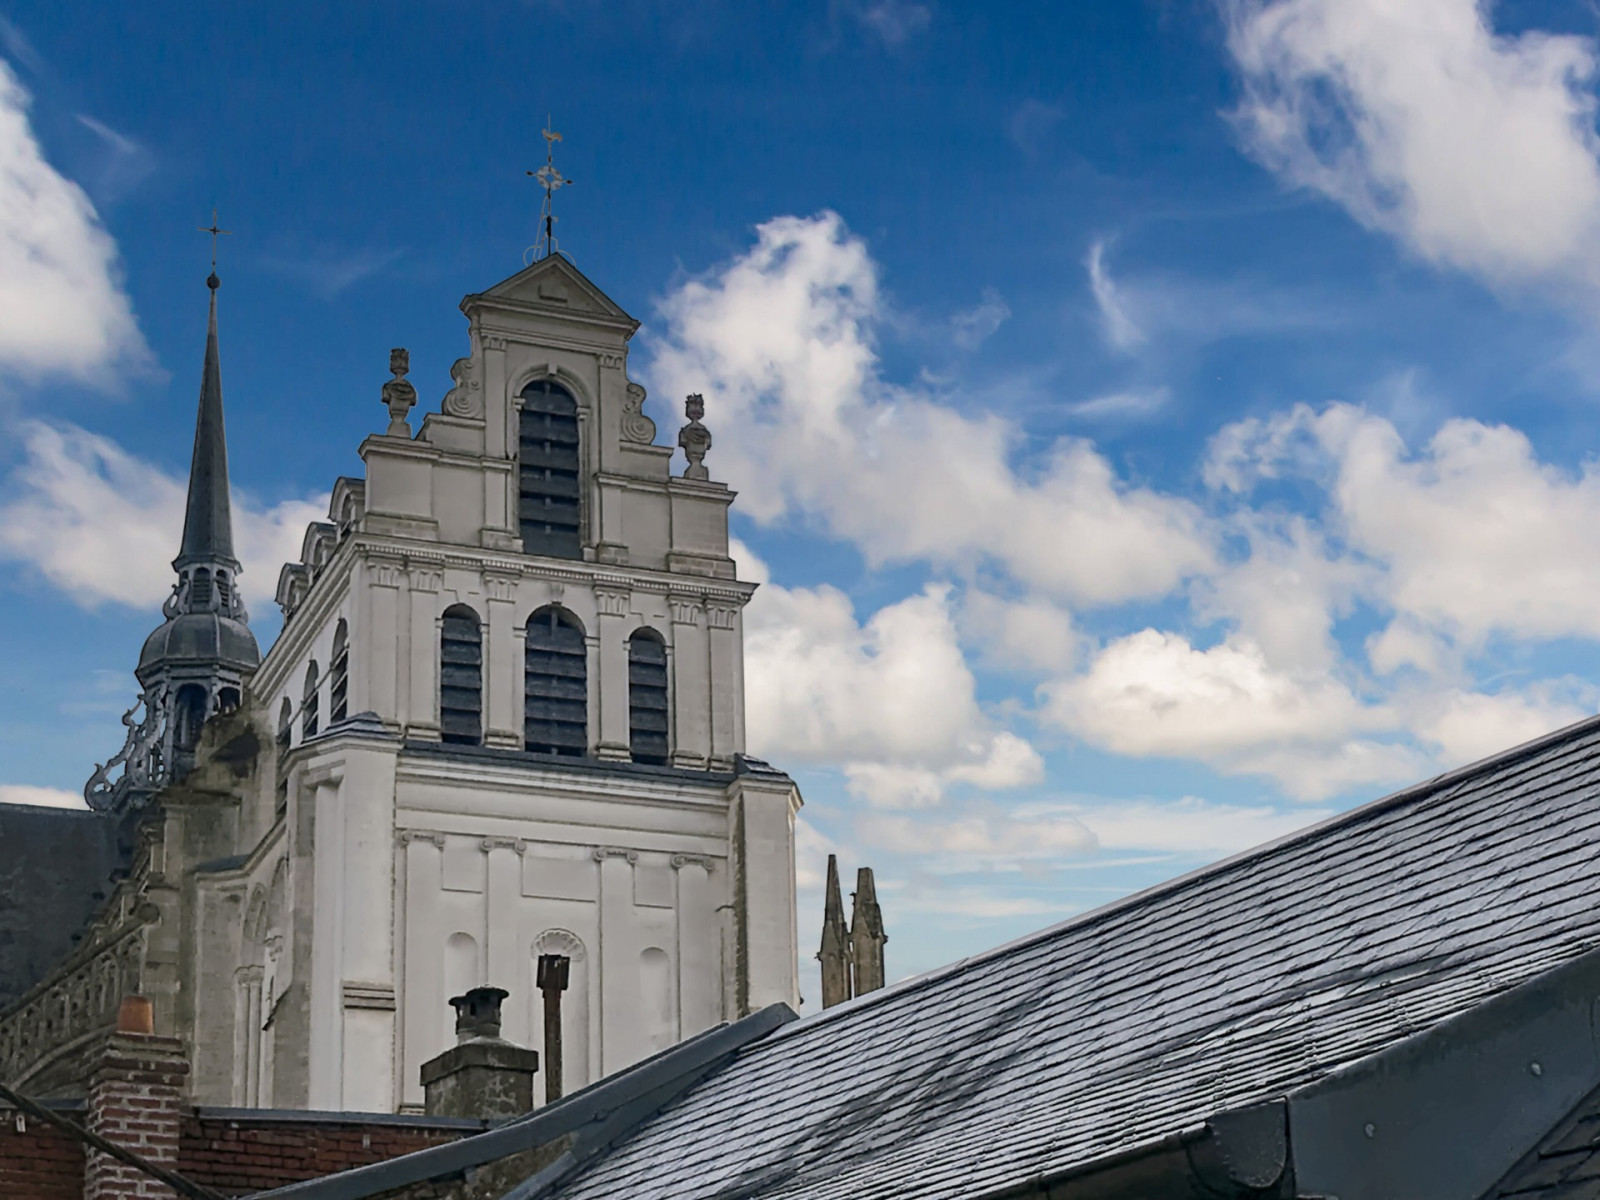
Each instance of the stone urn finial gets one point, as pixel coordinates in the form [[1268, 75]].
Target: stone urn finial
[[398, 394], [695, 438]]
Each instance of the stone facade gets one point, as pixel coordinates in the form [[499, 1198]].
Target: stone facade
[[341, 860]]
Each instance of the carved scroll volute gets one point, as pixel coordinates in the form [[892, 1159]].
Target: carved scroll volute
[[465, 399], [636, 427]]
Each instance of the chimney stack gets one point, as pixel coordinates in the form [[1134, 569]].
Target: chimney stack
[[482, 1075]]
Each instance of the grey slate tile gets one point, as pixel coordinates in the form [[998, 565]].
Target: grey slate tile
[[1230, 986]]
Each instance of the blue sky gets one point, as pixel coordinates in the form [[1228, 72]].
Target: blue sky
[[1159, 424]]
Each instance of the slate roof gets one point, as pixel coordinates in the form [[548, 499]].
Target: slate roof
[[1566, 1166], [1224, 988], [55, 868]]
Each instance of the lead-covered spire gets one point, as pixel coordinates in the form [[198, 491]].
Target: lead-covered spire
[[197, 662], [208, 519]]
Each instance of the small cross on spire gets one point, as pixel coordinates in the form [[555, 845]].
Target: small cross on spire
[[552, 181], [213, 282]]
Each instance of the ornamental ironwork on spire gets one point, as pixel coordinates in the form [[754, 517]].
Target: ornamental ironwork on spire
[[196, 663]]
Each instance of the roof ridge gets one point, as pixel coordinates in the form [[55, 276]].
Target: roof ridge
[[1363, 812]]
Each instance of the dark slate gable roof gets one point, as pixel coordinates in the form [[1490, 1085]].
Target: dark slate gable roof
[[55, 869], [1566, 1165], [1225, 988]]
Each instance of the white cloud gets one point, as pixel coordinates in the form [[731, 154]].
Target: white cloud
[[977, 841], [1187, 826], [1029, 633], [1133, 403], [970, 328], [894, 21], [46, 797], [1285, 593], [1152, 693], [890, 702], [62, 307], [1466, 726], [1030, 126], [781, 342], [103, 525], [1471, 536], [1476, 149], [1121, 330]]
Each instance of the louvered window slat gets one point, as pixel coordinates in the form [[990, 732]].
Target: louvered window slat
[[556, 685], [461, 677], [647, 697], [548, 472]]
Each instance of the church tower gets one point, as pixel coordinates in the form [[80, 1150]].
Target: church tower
[[506, 721], [198, 661]]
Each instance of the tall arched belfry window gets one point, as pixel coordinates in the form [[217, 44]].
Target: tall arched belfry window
[[555, 714], [547, 471], [461, 677], [308, 704], [647, 697], [339, 675]]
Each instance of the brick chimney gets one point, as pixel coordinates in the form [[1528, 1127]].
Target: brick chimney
[[135, 1095], [482, 1075]]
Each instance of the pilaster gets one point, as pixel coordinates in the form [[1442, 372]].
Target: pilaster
[[691, 683], [612, 743]]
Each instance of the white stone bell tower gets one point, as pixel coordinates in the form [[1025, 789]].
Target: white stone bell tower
[[509, 712]]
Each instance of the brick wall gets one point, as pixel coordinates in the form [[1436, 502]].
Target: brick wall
[[238, 1153], [134, 1100], [38, 1161]]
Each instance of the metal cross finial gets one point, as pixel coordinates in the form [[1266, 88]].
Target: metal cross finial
[[213, 231], [552, 181]]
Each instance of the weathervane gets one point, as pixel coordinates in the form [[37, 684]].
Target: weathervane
[[212, 229], [552, 181]]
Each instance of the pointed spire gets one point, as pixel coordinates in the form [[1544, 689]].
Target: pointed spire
[[208, 519], [866, 934], [835, 952]]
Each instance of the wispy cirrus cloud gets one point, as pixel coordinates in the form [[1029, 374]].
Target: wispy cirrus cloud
[[328, 272]]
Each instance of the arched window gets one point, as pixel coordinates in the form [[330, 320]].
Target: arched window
[[308, 704], [461, 677], [555, 712], [222, 590], [547, 471], [285, 737], [189, 715], [200, 589], [647, 697], [338, 675]]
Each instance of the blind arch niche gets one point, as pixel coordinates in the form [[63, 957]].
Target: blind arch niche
[[548, 471]]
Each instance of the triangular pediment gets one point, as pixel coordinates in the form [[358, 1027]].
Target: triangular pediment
[[554, 285]]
